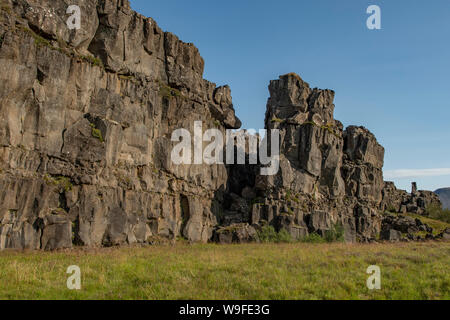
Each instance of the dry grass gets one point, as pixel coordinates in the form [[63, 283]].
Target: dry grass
[[256, 271]]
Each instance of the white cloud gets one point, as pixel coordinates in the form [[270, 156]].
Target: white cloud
[[415, 173]]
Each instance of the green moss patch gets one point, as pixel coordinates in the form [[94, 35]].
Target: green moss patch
[[96, 133]]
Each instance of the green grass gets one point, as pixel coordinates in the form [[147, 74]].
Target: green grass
[[254, 271], [313, 238], [437, 225]]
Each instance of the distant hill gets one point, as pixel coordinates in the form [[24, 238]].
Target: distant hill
[[444, 194]]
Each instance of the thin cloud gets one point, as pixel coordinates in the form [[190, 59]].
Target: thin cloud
[[416, 173]]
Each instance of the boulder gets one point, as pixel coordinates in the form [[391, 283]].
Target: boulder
[[293, 224], [407, 226], [391, 235], [236, 233]]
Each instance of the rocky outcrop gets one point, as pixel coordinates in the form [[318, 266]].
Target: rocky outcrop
[[86, 119], [328, 176], [404, 228], [400, 201], [86, 122], [396, 228], [236, 233]]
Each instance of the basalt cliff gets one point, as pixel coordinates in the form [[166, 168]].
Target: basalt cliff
[[86, 118]]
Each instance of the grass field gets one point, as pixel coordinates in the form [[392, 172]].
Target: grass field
[[255, 271]]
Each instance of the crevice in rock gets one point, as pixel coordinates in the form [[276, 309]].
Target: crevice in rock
[[63, 202], [185, 213], [41, 33], [63, 139], [39, 226], [40, 76], [76, 239], [124, 35]]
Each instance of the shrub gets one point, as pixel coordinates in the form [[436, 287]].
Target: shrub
[[336, 234], [268, 234], [284, 236], [436, 212], [313, 238]]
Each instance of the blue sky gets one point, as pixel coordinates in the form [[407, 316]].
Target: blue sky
[[394, 81]]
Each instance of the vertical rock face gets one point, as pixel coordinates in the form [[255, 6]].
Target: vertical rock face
[[327, 176], [86, 118]]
